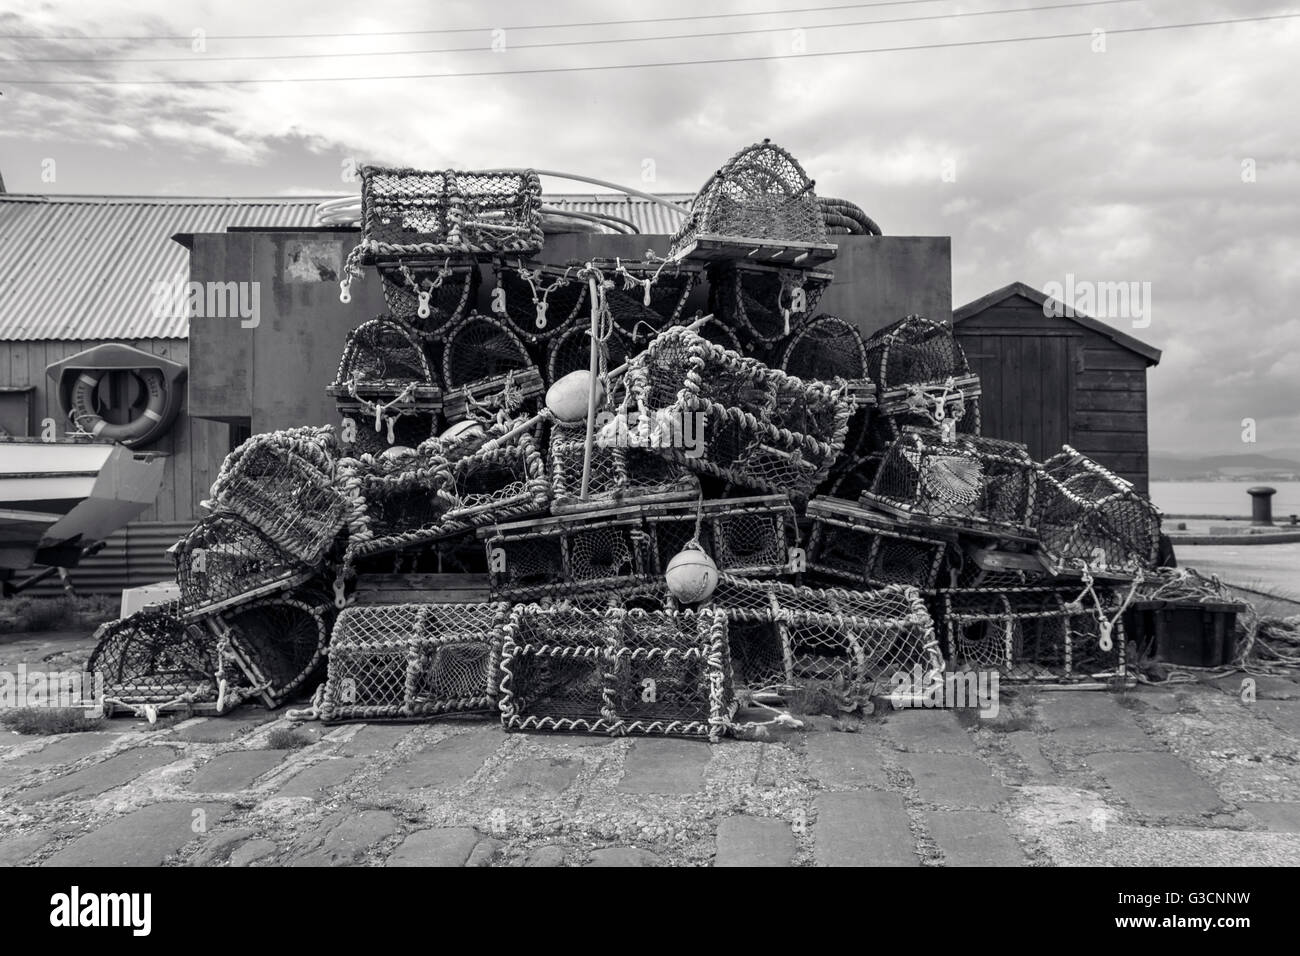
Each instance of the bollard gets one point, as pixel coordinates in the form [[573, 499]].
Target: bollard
[[1261, 505]]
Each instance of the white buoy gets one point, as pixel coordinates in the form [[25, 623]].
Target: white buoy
[[462, 430], [691, 575], [567, 398]]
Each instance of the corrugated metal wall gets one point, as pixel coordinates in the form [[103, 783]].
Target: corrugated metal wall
[[134, 555]]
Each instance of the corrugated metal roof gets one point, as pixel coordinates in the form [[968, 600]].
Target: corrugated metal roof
[[84, 267], [79, 268]]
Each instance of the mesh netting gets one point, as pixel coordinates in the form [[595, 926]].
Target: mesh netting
[[746, 536], [571, 351], [854, 641], [975, 484], [408, 212], [398, 428], [430, 296], [152, 658], [539, 301], [282, 484], [716, 331], [1033, 635], [278, 643], [973, 568], [914, 351], [644, 296], [616, 671], [825, 349], [224, 560], [851, 544], [760, 193], [959, 408], [1086, 515], [412, 660], [851, 477], [567, 453], [490, 484], [481, 348], [382, 353], [585, 551], [764, 303], [761, 428]]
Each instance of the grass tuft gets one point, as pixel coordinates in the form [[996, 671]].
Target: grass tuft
[[44, 721]]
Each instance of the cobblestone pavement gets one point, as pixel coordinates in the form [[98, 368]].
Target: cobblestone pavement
[[1188, 775]]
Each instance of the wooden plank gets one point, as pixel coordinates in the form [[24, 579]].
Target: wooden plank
[[1102, 442], [1089, 421], [422, 589], [1011, 374], [1111, 357], [711, 247], [1054, 376], [1033, 396], [1112, 400], [1114, 380]]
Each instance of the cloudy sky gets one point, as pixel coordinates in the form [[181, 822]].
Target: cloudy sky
[[1169, 157]]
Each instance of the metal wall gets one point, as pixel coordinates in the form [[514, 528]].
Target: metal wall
[[133, 556]]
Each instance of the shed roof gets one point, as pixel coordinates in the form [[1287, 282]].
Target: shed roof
[[1039, 298]]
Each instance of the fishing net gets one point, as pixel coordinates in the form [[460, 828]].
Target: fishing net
[[923, 379], [751, 537], [760, 193], [644, 296], [571, 351], [491, 483], [278, 643], [852, 642], [760, 427], [616, 671], [828, 349], [764, 303], [975, 568], [413, 660], [481, 348], [430, 296], [851, 544], [409, 212], [224, 561], [972, 484], [718, 332], [152, 658], [282, 483], [539, 301], [567, 453], [1034, 634], [383, 355], [582, 552], [1087, 515]]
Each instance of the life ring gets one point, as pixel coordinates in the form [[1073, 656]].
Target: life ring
[[87, 419]]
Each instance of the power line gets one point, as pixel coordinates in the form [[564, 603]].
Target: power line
[[203, 58], [637, 66], [481, 29]]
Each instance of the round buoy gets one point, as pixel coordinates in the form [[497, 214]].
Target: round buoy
[[567, 398], [691, 575], [396, 453], [462, 430]]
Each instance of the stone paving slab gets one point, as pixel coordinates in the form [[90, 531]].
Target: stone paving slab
[[754, 841], [234, 771], [927, 731], [441, 846], [1267, 686], [1283, 714], [313, 780], [374, 739], [249, 853], [445, 764], [845, 760], [954, 780], [144, 837], [1278, 817], [67, 750], [623, 856], [220, 846], [1156, 785], [1028, 748], [664, 765], [216, 730], [345, 840], [15, 851], [545, 856], [100, 777], [540, 775], [974, 838], [1092, 721], [1127, 846], [863, 828]]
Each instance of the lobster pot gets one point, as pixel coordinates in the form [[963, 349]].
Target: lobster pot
[[400, 661], [826, 348], [1088, 516], [981, 568], [851, 477], [152, 658], [430, 295], [571, 351], [859, 548], [225, 561], [718, 332], [979, 485], [847, 640], [922, 378], [618, 472], [594, 550], [400, 426], [748, 537], [761, 428], [761, 193], [383, 354], [616, 672], [277, 643], [413, 213], [488, 485], [764, 303], [282, 483], [645, 296], [539, 301], [486, 369], [1032, 635]]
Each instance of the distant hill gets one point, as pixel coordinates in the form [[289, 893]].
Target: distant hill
[[1249, 467]]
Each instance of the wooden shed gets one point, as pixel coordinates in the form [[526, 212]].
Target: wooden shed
[[1052, 376]]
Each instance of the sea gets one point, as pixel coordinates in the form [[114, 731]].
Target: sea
[[1227, 498]]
